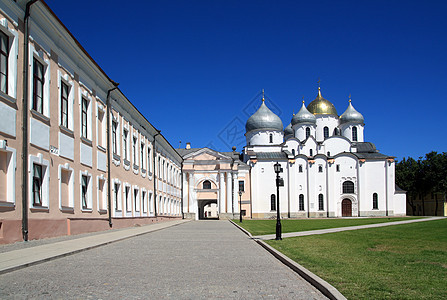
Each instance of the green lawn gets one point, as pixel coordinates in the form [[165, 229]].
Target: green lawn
[[396, 262], [261, 227]]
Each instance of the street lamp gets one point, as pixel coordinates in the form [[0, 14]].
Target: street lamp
[[279, 182], [240, 206]]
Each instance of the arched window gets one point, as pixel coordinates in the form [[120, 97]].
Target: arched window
[[271, 138], [206, 185], [320, 169], [301, 202], [336, 131], [307, 132], [273, 202], [348, 187], [328, 153], [311, 153], [300, 168], [354, 134], [293, 152], [326, 132], [320, 202], [375, 201]]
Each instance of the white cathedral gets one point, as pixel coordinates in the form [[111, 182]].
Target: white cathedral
[[328, 170]]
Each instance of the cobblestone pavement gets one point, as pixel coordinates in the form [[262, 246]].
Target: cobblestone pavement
[[195, 260]]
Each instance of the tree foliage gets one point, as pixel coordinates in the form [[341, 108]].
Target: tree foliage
[[422, 176]]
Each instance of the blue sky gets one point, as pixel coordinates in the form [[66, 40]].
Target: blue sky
[[195, 69]]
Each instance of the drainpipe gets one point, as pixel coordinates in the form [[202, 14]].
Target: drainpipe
[[25, 124], [109, 154], [155, 182]]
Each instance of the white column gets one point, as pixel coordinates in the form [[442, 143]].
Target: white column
[[221, 204], [235, 193], [229, 192], [185, 193]]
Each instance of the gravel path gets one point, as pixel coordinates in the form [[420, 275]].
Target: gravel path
[[195, 260]]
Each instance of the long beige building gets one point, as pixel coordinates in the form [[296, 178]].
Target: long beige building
[[75, 154]]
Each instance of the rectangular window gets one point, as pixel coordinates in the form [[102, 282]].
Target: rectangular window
[[84, 191], [114, 144], [241, 186], [149, 161], [4, 46], [38, 82], [134, 148], [125, 134], [102, 205], [117, 198], [64, 104], [142, 156], [135, 199], [84, 118], [127, 191], [143, 201], [37, 185], [300, 168], [65, 188], [320, 168], [99, 129]]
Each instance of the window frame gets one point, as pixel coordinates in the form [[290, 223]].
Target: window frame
[[84, 117], [4, 53], [38, 82], [64, 104], [348, 187], [272, 202], [375, 202], [11, 59], [301, 202], [37, 185], [325, 132], [114, 137], [354, 134], [320, 202]]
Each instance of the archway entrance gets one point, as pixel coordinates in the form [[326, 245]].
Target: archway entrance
[[346, 208], [208, 210]]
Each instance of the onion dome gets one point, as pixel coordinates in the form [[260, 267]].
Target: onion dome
[[303, 116], [263, 118], [288, 130], [351, 115], [321, 106]]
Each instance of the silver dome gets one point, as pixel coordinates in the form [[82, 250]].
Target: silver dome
[[288, 130], [351, 115], [304, 116], [263, 118]]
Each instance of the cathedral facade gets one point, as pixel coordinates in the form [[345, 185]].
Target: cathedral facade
[[328, 168]]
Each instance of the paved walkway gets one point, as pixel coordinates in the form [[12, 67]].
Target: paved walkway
[[339, 229], [194, 260]]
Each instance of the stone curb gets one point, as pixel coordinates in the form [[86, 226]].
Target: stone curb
[[12, 260], [323, 286]]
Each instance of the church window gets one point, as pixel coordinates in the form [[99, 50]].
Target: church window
[[271, 138], [206, 185], [328, 153], [311, 153], [354, 134], [348, 187], [273, 202], [293, 152], [326, 132], [320, 169], [375, 201], [300, 168], [307, 132], [301, 202], [337, 168], [320, 202]]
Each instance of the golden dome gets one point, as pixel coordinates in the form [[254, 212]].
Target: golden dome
[[321, 106]]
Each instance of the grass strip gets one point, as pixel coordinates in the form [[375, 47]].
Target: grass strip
[[397, 262], [261, 227]]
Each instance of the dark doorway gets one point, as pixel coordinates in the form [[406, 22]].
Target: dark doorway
[[346, 208]]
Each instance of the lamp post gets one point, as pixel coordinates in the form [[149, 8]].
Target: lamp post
[[240, 206], [278, 170]]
